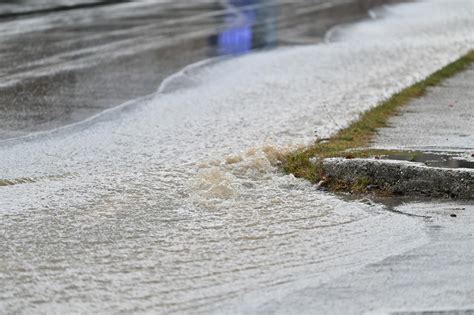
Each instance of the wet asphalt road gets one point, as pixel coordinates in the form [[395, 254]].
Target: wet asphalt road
[[104, 220], [62, 64]]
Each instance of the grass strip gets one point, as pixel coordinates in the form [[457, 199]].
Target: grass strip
[[361, 132]]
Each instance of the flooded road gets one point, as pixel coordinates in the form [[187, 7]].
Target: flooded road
[[175, 204], [62, 66]]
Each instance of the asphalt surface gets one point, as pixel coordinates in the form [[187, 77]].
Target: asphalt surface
[[179, 207], [430, 279], [62, 66]]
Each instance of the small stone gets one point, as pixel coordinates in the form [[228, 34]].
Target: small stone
[[453, 215], [372, 187]]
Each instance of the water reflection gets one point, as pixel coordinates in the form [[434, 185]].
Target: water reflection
[[62, 66], [250, 25], [434, 159]]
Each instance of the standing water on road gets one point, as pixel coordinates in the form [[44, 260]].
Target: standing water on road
[[61, 64], [177, 205]]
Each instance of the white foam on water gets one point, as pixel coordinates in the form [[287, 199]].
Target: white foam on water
[[179, 206]]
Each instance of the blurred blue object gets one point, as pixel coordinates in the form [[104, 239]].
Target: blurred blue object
[[254, 27]]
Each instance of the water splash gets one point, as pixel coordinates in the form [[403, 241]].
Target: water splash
[[177, 205]]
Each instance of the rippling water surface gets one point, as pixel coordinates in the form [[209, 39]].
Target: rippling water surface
[[177, 205]]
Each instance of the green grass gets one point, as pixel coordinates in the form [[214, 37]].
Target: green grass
[[349, 142]]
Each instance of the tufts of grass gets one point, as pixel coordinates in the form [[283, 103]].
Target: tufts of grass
[[361, 132]]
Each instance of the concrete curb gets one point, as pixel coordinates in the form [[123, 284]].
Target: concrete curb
[[403, 178]]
